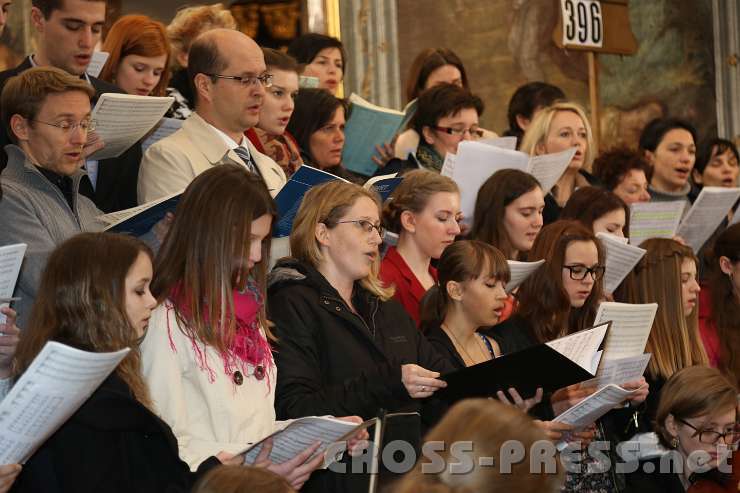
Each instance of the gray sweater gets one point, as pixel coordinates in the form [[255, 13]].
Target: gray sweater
[[34, 211]]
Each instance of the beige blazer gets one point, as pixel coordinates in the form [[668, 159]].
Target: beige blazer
[[171, 164]]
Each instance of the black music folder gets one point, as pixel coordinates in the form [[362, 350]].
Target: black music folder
[[526, 371]]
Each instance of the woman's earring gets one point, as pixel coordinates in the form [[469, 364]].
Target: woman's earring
[[674, 442]]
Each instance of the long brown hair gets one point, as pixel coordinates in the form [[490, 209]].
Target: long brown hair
[[81, 302], [427, 62], [588, 204], [543, 301], [499, 190], [488, 425], [725, 304], [136, 35], [674, 340], [210, 234], [413, 194], [462, 261]]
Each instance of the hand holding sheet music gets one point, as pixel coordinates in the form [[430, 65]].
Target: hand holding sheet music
[[121, 120], [55, 385], [705, 216]]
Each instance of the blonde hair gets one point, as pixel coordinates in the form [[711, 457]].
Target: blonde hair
[[230, 479], [413, 194], [540, 127], [190, 22], [691, 393], [488, 425], [327, 203], [674, 340]]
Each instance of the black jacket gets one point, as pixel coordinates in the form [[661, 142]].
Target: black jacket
[[116, 181], [444, 346], [552, 210], [331, 361], [114, 444]]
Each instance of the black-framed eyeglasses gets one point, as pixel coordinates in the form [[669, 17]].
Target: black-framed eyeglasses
[[248, 81], [579, 272], [366, 226], [460, 132], [710, 437], [67, 126]]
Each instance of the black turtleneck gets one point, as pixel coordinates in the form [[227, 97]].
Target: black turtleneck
[[63, 183]]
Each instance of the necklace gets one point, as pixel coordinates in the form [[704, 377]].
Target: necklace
[[457, 344]]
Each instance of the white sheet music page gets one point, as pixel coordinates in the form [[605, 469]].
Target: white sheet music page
[[631, 324], [621, 258], [710, 208], [581, 347], [165, 128], [520, 271], [619, 371], [121, 120], [448, 166], [97, 62], [508, 142], [654, 220], [11, 258], [595, 406], [548, 168], [58, 381]]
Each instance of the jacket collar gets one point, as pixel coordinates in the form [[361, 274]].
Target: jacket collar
[[19, 165], [395, 258], [213, 147]]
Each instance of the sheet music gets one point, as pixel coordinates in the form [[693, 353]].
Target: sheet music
[[654, 220], [448, 166], [707, 213], [621, 258], [113, 218], [548, 168], [11, 258], [631, 324], [123, 119], [97, 62], [582, 346], [302, 433], [55, 385], [520, 271], [595, 406], [165, 128], [502, 142], [619, 371], [475, 163]]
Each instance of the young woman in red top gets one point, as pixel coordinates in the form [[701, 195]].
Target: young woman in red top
[[424, 211]]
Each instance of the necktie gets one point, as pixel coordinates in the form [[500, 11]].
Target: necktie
[[245, 156]]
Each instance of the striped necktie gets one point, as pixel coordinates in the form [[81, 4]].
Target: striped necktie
[[245, 156]]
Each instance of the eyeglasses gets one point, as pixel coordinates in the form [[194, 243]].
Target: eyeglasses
[[366, 226], [67, 126], [710, 437], [579, 272], [249, 81], [459, 132]]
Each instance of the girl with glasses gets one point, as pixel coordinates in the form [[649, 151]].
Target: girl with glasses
[[558, 299], [344, 345], [423, 211], [697, 421]]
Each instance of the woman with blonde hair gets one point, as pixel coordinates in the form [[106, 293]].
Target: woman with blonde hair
[[666, 275], [139, 56], [423, 211], [557, 128], [490, 427], [242, 480], [188, 24], [344, 345]]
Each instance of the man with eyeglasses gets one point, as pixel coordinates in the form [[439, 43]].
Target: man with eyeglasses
[[67, 32], [228, 73], [47, 112]]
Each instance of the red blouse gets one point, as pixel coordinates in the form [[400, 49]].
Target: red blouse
[[409, 291], [707, 329]]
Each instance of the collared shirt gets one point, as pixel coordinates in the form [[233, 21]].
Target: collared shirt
[[91, 165], [229, 141], [63, 183], [395, 271]]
